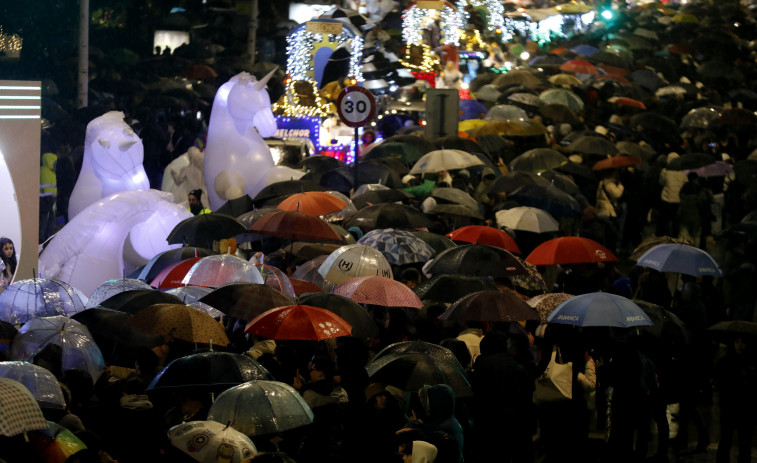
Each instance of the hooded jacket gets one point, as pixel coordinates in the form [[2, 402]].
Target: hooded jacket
[[48, 185], [439, 404]]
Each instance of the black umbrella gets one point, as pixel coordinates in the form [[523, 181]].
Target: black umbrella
[[7, 333], [646, 78], [423, 145], [449, 287], [137, 299], [554, 113], [201, 230], [321, 163], [457, 143], [691, 161], [727, 331], [353, 313], [375, 171], [590, 144], [510, 182], [550, 198], [561, 181], [111, 324], [164, 259], [389, 215], [476, 260], [655, 124], [490, 306], [236, 207], [391, 195], [412, 370], [666, 324], [436, 241], [210, 372], [285, 188], [245, 300], [249, 218]]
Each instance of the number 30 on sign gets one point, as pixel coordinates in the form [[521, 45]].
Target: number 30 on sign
[[355, 106]]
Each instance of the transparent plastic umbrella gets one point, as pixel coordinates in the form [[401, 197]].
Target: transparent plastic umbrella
[[113, 287], [354, 260], [41, 382], [190, 295], [38, 297], [399, 247], [214, 271], [261, 407], [276, 279], [77, 349]]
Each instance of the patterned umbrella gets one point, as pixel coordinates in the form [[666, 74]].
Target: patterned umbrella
[[354, 260], [113, 287], [261, 407], [570, 250], [245, 300], [301, 322], [489, 306], [353, 313], [481, 234], [276, 279], [379, 291], [546, 303], [78, 350], [312, 202], [397, 246], [215, 271], [210, 441], [19, 412], [41, 382], [531, 281], [476, 260], [179, 321], [38, 297], [208, 372]]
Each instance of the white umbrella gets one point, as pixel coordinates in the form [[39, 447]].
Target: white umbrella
[[210, 442], [354, 260], [529, 219], [439, 160]]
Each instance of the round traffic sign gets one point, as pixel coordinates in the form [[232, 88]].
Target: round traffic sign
[[355, 106]]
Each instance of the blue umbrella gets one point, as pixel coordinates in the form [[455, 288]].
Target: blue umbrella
[[599, 309], [584, 49], [680, 258], [472, 109]]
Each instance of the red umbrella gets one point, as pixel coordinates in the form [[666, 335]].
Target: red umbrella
[[171, 276], [617, 161], [295, 225], [378, 291], [481, 234], [570, 250], [313, 202], [628, 102], [303, 322], [198, 71], [615, 70], [579, 66], [304, 286]]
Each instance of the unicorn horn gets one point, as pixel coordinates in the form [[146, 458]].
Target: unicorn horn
[[261, 83]]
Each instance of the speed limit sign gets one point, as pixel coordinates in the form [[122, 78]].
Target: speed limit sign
[[355, 106]]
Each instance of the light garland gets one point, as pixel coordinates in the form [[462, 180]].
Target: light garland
[[293, 107], [495, 12], [549, 28], [10, 43], [471, 40], [302, 45], [429, 61], [305, 127], [452, 20]]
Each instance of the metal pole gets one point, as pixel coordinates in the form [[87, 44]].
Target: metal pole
[[83, 75], [357, 139], [253, 30]]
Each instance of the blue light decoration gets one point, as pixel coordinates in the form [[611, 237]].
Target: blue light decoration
[[302, 45], [308, 127]]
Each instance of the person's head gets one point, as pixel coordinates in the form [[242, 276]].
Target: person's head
[[195, 201], [739, 345], [8, 250], [693, 176], [321, 368]]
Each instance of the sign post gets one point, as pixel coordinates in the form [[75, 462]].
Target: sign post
[[355, 107]]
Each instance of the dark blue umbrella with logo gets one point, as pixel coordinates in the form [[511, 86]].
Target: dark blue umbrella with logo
[[680, 258], [599, 309]]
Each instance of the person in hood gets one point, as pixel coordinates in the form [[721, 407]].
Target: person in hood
[[195, 203], [48, 195], [438, 413]]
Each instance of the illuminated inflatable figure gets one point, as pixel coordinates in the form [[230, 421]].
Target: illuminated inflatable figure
[[112, 162], [184, 174], [236, 156], [118, 233]]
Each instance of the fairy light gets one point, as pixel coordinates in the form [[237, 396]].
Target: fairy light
[[495, 11], [471, 40], [10, 43], [302, 45], [292, 103], [428, 62]]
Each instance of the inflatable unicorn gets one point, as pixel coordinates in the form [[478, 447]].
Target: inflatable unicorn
[[111, 236], [184, 174], [112, 162], [236, 157]]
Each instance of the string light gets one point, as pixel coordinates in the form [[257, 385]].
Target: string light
[[10, 43], [293, 104]]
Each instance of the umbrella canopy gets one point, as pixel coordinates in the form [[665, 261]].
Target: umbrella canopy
[[627, 102], [77, 349], [593, 145], [546, 303], [320, 163], [700, 118], [378, 291], [455, 196], [39, 381], [178, 321], [691, 161], [389, 215], [237, 206], [38, 297], [650, 242], [276, 279], [549, 198], [444, 159], [198, 71], [206, 441], [201, 230], [727, 331], [261, 407], [215, 271], [578, 66], [110, 324], [436, 241], [312, 202], [680, 258], [599, 309], [505, 112], [410, 371], [389, 195], [538, 160], [303, 286], [190, 295], [565, 80], [481, 234], [435, 351], [285, 188], [665, 324], [113, 287], [559, 114], [616, 161], [562, 96], [172, 256], [245, 300], [354, 260], [19, 412], [476, 260], [510, 182], [353, 313], [570, 250], [295, 225], [173, 275], [642, 151], [302, 322], [404, 152], [450, 287], [399, 247], [208, 372], [490, 305]]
